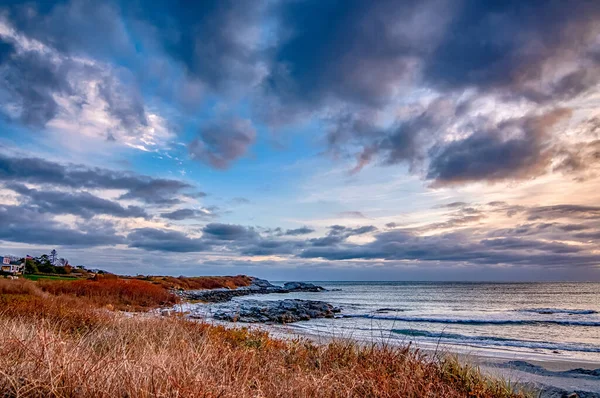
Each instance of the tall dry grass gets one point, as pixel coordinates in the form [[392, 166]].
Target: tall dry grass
[[200, 282], [53, 347], [124, 294]]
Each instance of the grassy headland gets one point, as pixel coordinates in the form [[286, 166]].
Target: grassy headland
[[68, 339]]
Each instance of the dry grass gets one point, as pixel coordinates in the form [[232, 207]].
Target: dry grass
[[200, 282], [124, 294], [53, 346]]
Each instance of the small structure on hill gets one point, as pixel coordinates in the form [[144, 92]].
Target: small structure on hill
[[12, 266]]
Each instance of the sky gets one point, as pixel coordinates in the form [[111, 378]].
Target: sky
[[304, 139]]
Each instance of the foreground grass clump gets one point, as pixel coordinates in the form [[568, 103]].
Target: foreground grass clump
[[63, 346]]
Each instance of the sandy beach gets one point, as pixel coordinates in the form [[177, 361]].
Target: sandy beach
[[549, 376]]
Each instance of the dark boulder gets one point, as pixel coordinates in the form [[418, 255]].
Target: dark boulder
[[284, 311]]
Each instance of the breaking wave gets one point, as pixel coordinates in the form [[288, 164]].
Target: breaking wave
[[461, 321], [494, 341], [548, 311]]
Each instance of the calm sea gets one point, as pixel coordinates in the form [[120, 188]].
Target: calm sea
[[554, 319]]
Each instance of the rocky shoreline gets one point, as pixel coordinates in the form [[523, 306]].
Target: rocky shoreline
[[258, 286], [219, 305], [284, 311]]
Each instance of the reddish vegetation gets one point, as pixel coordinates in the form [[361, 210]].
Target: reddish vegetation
[[128, 294], [200, 282]]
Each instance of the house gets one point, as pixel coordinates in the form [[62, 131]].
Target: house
[[12, 266]]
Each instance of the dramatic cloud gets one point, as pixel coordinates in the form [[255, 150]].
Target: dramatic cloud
[[455, 248], [467, 133], [516, 148], [41, 171], [217, 41], [220, 144], [28, 225], [164, 240], [335, 57], [509, 44], [82, 204]]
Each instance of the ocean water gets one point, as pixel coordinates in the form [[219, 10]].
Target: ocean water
[[558, 320]]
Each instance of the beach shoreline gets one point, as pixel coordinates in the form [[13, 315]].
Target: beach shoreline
[[548, 375]]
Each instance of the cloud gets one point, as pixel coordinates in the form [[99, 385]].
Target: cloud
[[221, 143], [165, 240], [44, 86], [299, 231], [228, 232], [217, 41], [516, 149], [351, 214], [29, 81], [24, 224], [41, 171], [564, 211], [458, 248], [82, 204], [185, 214], [335, 58], [440, 82], [339, 233], [510, 44]]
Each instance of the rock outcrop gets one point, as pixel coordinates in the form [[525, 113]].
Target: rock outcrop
[[302, 287], [284, 311], [258, 286]]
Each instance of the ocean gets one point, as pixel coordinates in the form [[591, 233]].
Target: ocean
[[558, 320]]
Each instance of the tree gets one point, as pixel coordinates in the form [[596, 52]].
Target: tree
[[53, 257], [31, 266]]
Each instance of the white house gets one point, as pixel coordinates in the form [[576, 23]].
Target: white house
[[12, 266]]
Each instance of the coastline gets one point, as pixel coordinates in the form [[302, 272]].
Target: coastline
[[553, 375], [548, 375]]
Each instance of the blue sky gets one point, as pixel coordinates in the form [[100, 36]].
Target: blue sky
[[304, 139]]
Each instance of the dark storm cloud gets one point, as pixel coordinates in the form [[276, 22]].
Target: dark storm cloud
[[355, 51], [506, 43], [221, 143], [82, 204], [356, 55], [29, 80], [40, 171], [498, 154], [299, 231], [215, 40], [165, 240], [24, 224]]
